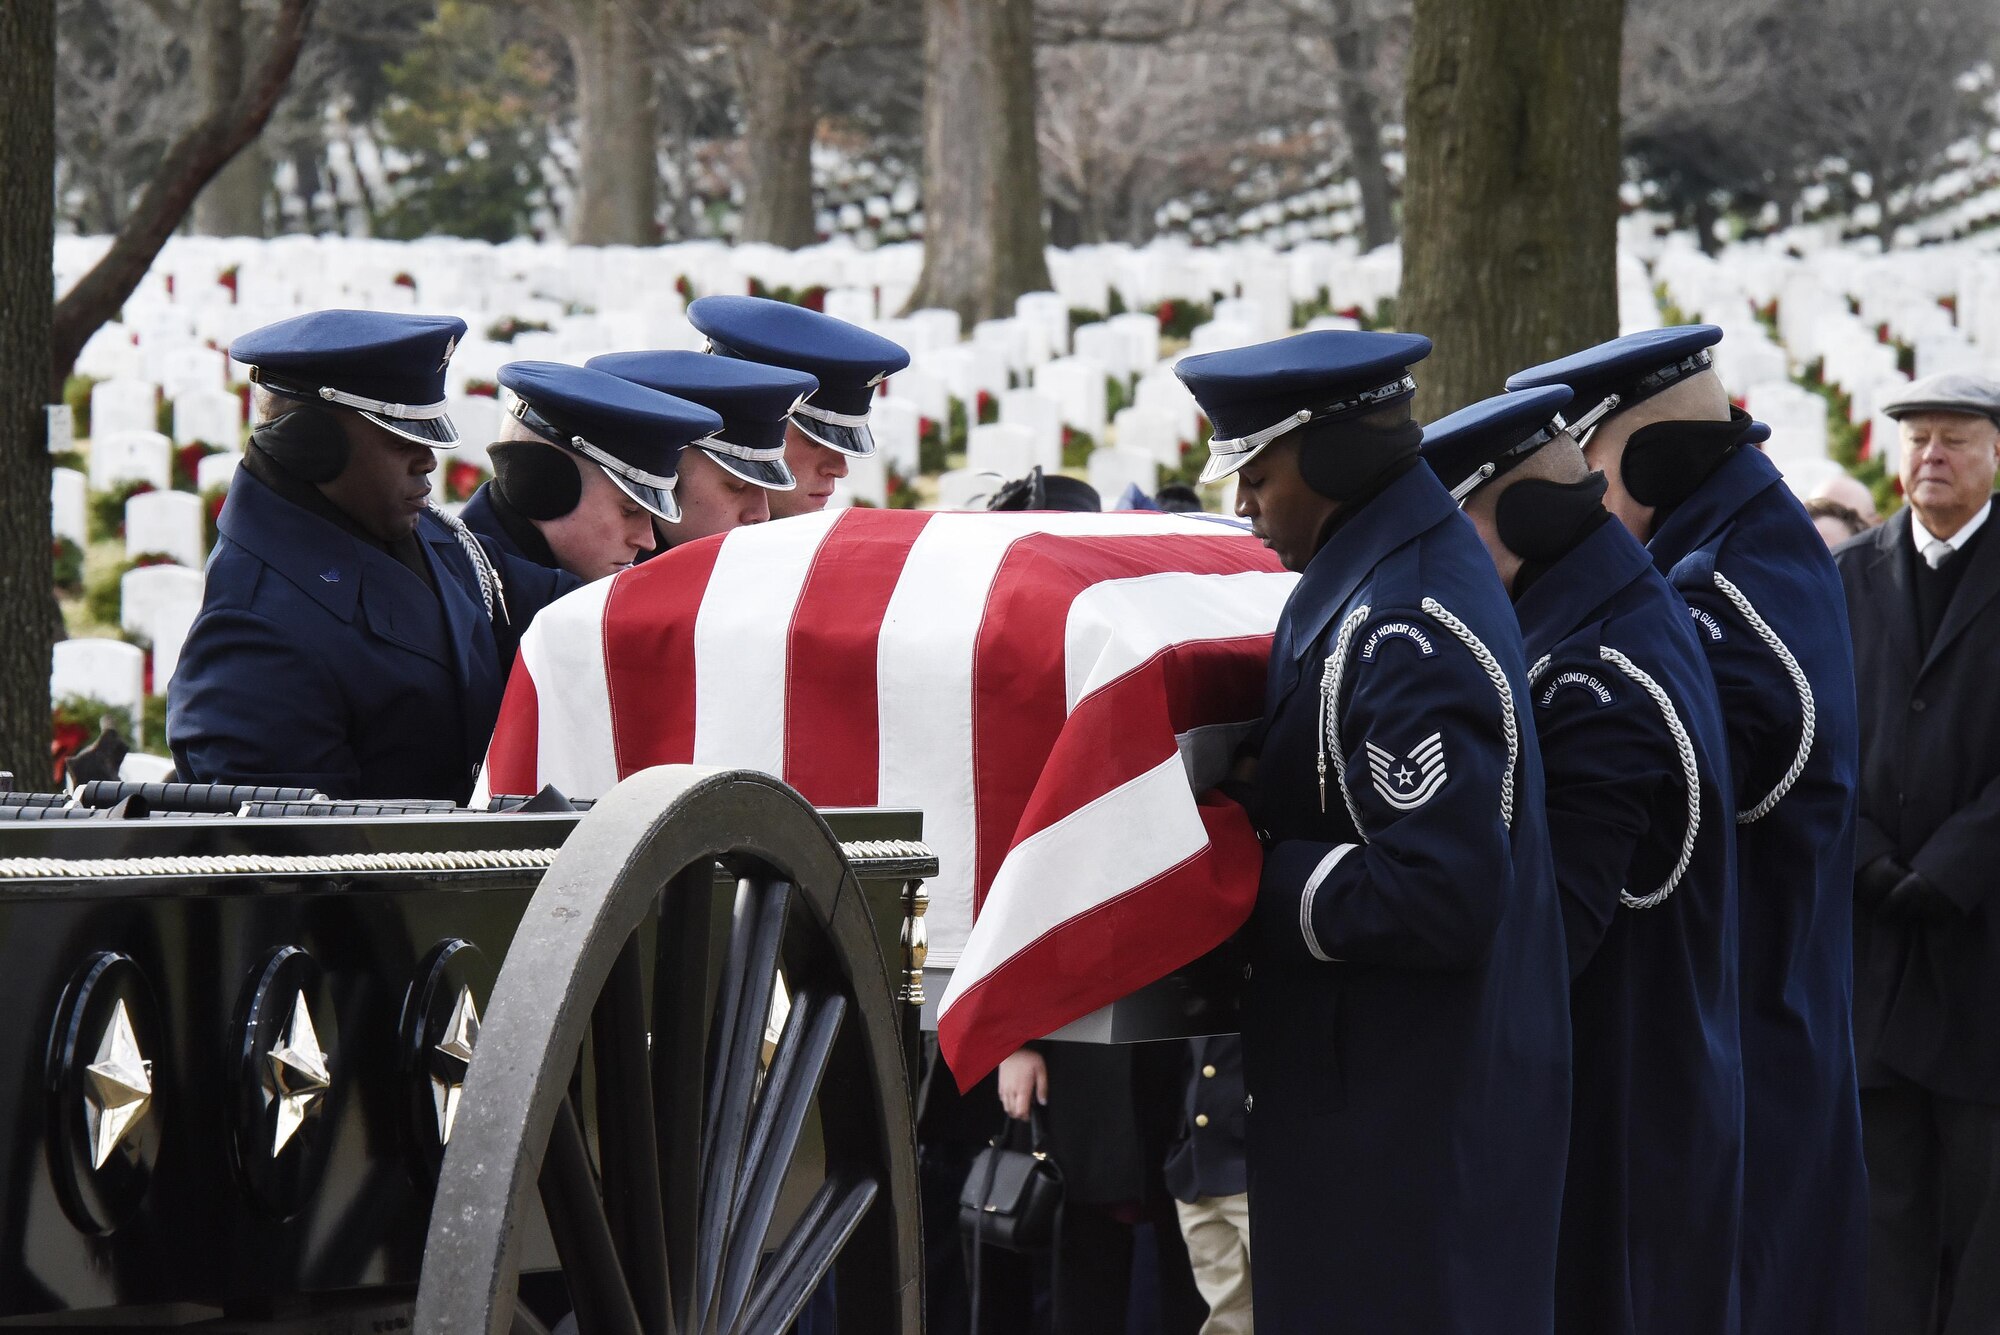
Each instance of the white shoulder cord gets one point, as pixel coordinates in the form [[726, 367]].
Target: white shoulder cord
[[1808, 716], [1329, 717], [1498, 677], [491, 590], [1689, 774]]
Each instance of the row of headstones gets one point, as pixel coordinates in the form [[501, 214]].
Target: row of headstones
[[159, 522]]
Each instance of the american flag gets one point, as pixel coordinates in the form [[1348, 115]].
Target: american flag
[[1051, 690]]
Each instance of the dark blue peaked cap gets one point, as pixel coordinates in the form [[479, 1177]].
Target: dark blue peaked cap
[[1254, 395], [633, 433], [390, 367], [1478, 443], [1613, 376], [848, 361], [754, 400]]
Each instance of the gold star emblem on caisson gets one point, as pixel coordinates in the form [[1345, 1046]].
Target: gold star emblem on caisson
[[298, 1076], [450, 1057], [120, 1087]]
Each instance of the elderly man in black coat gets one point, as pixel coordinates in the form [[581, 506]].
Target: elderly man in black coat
[[1921, 595]]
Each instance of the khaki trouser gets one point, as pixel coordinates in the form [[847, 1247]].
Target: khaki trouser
[[1217, 1229]]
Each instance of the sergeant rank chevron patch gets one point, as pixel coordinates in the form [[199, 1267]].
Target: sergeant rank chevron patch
[[1407, 782]]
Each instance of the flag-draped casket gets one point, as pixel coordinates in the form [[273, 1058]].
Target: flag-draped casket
[[1052, 690]]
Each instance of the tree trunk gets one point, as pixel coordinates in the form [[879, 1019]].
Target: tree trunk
[[233, 203], [1510, 202], [983, 237], [28, 620], [618, 177], [1361, 120], [190, 163], [775, 76]]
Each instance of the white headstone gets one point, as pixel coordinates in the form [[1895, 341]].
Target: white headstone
[[69, 515], [964, 489], [167, 522], [1111, 470], [924, 391], [856, 305], [108, 670], [160, 603], [191, 367], [62, 428], [138, 767], [211, 416], [894, 422], [935, 327], [1051, 312], [1152, 431], [216, 472], [868, 479], [1078, 385], [130, 456], [1000, 448], [124, 405], [1041, 415]]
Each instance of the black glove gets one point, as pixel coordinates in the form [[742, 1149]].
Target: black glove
[[1873, 882], [1916, 900]]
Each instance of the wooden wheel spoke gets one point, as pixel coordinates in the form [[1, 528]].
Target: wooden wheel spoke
[[794, 1079], [808, 1252], [682, 984], [760, 921], [627, 1149], [583, 1234]]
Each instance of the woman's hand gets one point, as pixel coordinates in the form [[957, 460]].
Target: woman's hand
[[1024, 1082]]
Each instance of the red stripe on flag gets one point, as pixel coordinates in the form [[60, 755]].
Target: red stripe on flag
[[1016, 718], [649, 623], [832, 718], [511, 765], [1108, 951]]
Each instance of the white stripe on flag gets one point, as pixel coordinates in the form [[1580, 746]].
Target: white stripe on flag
[[741, 637], [1117, 624], [1125, 838], [924, 682], [564, 653]]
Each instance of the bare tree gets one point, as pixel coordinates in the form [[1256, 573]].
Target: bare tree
[[1349, 37], [983, 232], [1511, 197], [190, 163], [28, 622], [122, 87]]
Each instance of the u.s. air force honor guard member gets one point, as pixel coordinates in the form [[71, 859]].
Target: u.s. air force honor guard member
[[584, 464], [736, 474], [352, 637], [1770, 614], [831, 426], [1406, 1014], [1642, 830]]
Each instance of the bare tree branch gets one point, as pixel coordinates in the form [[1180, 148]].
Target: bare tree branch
[[189, 164]]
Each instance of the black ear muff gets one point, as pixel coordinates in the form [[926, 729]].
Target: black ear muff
[[1346, 461], [538, 481], [1665, 461], [306, 442]]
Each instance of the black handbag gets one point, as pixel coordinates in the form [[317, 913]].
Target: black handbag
[[1013, 1197]]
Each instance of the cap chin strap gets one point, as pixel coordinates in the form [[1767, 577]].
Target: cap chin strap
[[1645, 387], [1492, 468], [819, 414], [1257, 440], [717, 445], [610, 463], [410, 412]]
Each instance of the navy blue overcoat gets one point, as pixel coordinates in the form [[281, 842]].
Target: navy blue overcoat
[[318, 660], [1406, 1020], [1643, 831], [1770, 613]]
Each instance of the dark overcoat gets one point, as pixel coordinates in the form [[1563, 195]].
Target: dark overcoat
[[1406, 1021], [320, 661], [1770, 615], [1642, 828], [1927, 997]]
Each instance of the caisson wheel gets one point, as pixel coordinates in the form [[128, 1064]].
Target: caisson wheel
[[694, 1177]]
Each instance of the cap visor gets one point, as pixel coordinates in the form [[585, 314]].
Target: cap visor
[[437, 432], [659, 501], [1220, 466], [854, 441], [772, 476]]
